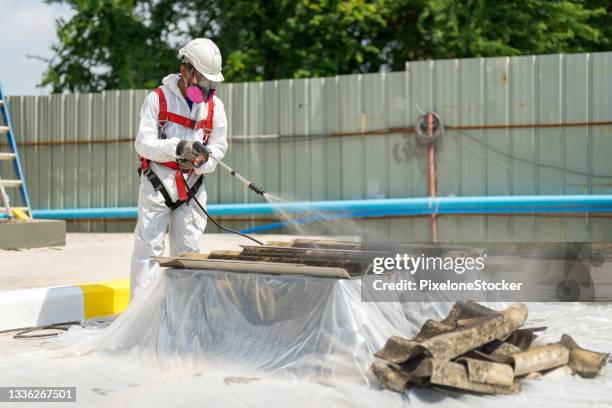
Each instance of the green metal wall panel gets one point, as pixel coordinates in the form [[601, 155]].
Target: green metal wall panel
[[448, 153], [496, 111], [318, 161], [576, 109], [522, 89], [471, 105], [352, 157], [398, 146], [307, 139], [550, 142], [601, 110]]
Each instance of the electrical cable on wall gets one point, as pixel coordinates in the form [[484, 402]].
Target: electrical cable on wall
[[549, 166]]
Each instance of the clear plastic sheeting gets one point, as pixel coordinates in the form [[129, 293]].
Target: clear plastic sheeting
[[293, 326], [226, 339]]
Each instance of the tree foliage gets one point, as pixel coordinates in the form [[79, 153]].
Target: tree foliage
[[117, 44], [110, 44]]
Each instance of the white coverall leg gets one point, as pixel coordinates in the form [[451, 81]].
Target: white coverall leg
[[185, 224]]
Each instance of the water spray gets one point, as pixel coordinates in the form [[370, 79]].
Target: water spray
[[252, 186]]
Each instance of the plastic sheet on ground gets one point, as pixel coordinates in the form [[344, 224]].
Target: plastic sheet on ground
[[229, 339], [292, 326]]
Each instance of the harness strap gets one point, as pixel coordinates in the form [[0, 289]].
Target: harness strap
[[178, 178], [165, 116], [208, 122], [186, 195]]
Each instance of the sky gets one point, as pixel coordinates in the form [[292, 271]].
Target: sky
[[27, 27]]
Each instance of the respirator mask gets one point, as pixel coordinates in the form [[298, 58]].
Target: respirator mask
[[199, 88]]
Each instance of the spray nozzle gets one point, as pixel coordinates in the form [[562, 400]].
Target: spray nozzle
[[256, 189]]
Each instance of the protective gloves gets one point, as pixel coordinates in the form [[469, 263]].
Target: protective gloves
[[194, 152], [191, 154], [185, 165]]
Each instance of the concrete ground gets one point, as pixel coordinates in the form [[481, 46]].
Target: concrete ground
[[90, 258], [119, 379]]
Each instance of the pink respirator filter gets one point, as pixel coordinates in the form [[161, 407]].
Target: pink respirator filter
[[195, 94]]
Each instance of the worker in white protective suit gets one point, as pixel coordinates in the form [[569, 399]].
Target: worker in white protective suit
[[183, 129]]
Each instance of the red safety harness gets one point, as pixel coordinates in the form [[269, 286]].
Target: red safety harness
[[184, 194], [164, 116]]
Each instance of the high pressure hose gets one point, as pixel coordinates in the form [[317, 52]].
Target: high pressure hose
[[23, 332], [216, 223], [222, 227]]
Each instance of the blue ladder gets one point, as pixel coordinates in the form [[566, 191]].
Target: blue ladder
[[12, 155]]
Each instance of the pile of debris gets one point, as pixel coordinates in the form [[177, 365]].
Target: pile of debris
[[322, 258], [479, 350]]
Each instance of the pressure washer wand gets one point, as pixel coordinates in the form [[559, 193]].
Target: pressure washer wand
[[244, 181]]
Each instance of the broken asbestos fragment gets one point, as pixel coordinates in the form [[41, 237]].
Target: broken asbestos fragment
[[432, 328], [523, 338], [500, 350], [479, 350], [460, 315], [455, 375], [389, 377], [562, 371], [496, 327], [398, 350], [540, 358], [487, 372], [583, 362], [452, 344]]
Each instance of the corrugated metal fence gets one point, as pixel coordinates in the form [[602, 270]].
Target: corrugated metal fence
[[349, 136]]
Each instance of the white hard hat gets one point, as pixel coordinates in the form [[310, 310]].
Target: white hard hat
[[205, 57]]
